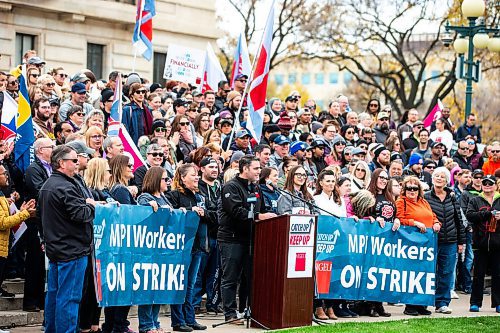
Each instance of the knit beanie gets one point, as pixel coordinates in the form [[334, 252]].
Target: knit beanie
[[284, 123], [231, 95], [415, 159]]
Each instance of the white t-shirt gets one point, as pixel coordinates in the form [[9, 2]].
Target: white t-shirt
[[326, 203]]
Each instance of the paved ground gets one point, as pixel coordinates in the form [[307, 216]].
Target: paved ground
[[460, 309]]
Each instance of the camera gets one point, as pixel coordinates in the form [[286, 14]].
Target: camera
[[446, 38]]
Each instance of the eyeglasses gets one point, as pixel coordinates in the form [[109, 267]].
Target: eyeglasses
[[51, 147], [96, 137], [109, 101], [383, 177], [35, 75], [204, 120], [84, 155], [412, 188], [184, 123], [495, 151], [384, 119], [488, 183], [362, 170], [156, 154], [63, 75], [349, 132], [164, 178], [130, 166], [293, 117], [160, 129], [430, 167], [227, 91], [470, 142], [74, 160], [300, 175], [373, 104], [320, 148], [79, 114], [43, 107], [297, 96], [143, 92], [463, 148], [341, 143], [13, 83], [81, 93], [51, 84], [243, 81], [309, 140]]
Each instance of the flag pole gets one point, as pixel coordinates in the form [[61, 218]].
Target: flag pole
[[250, 78], [141, 9]]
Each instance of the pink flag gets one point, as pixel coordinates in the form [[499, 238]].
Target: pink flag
[[241, 63], [213, 73], [434, 114], [258, 86], [130, 149]]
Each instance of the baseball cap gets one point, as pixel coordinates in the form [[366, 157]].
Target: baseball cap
[[54, 101], [81, 148], [242, 133], [154, 86], [79, 77], [435, 144], [298, 145], [418, 123], [291, 98], [241, 75], [36, 61], [78, 88], [477, 172], [206, 161], [181, 101], [489, 179], [357, 151], [106, 94], [237, 155], [223, 121], [281, 140], [318, 143], [382, 115]]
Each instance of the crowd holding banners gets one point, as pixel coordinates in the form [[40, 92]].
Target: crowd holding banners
[[364, 165]]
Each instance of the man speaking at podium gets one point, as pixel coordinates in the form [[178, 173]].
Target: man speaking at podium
[[242, 204]]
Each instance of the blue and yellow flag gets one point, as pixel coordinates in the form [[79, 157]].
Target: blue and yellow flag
[[23, 148]]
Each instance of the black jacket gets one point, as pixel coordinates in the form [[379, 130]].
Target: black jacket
[[468, 193], [189, 200], [448, 213], [479, 215], [234, 211], [463, 131], [66, 218], [212, 196], [34, 178], [462, 162], [138, 179]]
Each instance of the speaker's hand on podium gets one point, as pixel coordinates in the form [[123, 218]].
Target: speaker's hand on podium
[[266, 216]]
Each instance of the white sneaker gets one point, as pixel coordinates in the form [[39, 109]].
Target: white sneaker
[[454, 295], [444, 309], [4, 331]]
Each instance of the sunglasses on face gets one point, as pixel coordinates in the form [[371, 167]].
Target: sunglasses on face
[[50, 84], [243, 81], [340, 144], [430, 167], [156, 154], [227, 91], [488, 183], [349, 132], [470, 142], [361, 170], [74, 160], [184, 123], [411, 188], [374, 105], [130, 166], [160, 129], [96, 137], [464, 148], [79, 114], [143, 92], [82, 93], [383, 177], [63, 75], [384, 119], [35, 75], [495, 151], [13, 83]]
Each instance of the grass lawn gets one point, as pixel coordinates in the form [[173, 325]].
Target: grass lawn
[[428, 325]]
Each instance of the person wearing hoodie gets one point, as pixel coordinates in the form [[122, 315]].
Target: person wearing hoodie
[[415, 168], [493, 162], [153, 188], [483, 212]]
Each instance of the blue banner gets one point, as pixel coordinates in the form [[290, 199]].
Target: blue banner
[[362, 261], [142, 257]]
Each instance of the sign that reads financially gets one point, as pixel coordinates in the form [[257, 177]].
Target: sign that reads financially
[[362, 261], [142, 257], [184, 64]]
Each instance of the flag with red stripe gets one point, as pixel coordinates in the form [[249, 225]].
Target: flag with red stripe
[[241, 62], [258, 86]]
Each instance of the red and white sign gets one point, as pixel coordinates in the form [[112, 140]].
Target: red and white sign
[[301, 247]]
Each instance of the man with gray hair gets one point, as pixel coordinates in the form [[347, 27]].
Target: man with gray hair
[[112, 146], [36, 175], [154, 157], [67, 221]]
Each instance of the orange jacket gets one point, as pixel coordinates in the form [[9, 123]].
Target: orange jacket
[[489, 167], [409, 211]]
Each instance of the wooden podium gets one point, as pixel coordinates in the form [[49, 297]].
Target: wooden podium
[[283, 271]]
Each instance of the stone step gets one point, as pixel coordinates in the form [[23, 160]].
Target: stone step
[[16, 287], [20, 318], [12, 304]]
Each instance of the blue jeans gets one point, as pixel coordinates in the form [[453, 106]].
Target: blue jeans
[[148, 317], [446, 260], [183, 314], [209, 267], [464, 280], [65, 287]]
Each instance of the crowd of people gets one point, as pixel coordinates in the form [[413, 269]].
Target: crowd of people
[[199, 156]]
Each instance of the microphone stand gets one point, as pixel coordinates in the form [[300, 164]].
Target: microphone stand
[[310, 204]]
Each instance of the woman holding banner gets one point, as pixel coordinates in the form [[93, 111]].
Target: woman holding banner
[[153, 187], [413, 210], [184, 194], [384, 211], [115, 317]]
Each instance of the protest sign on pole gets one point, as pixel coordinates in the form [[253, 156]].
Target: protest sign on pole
[[363, 261], [142, 257], [184, 64]]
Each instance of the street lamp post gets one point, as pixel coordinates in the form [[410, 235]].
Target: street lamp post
[[470, 36]]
